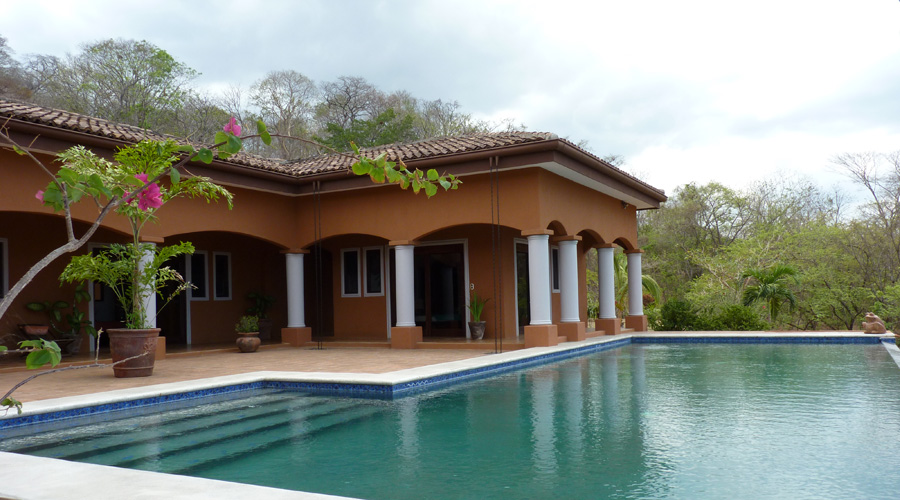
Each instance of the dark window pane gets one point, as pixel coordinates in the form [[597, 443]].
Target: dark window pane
[[351, 272], [223, 276], [373, 271], [554, 253], [3, 265], [198, 276]]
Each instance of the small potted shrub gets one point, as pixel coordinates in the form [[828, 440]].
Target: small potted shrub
[[67, 322], [247, 329], [476, 326]]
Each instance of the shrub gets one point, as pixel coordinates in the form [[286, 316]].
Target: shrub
[[738, 318], [679, 315]]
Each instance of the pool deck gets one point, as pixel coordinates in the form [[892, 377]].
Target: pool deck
[[25, 477]]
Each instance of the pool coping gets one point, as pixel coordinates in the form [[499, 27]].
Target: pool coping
[[38, 478]]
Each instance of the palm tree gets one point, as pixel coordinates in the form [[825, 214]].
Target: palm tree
[[770, 285], [620, 273]]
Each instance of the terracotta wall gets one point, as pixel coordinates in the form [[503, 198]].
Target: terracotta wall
[[30, 237], [256, 266]]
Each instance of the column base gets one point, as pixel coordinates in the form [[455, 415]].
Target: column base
[[160, 348], [636, 323], [610, 326], [541, 336], [573, 332], [405, 337], [296, 336]]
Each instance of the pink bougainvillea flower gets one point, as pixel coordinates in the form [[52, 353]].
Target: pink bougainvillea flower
[[150, 197], [40, 195], [233, 127]]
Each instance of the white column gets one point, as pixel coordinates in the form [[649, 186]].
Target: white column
[[635, 285], [568, 281], [539, 279], [607, 282], [147, 294], [296, 311], [405, 284]]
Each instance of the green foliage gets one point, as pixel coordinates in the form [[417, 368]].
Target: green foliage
[[247, 324], [66, 324], [42, 352], [380, 170], [386, 128], [119, 267], [770, 286], [261, 304], [737, 318], [476, 305], [679, 316]]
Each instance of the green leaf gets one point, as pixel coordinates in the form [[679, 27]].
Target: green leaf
[[362, 168], [37, 359], [430, 189], [205, 155], [433, 174], [392, 175], [221, 138], [19, 150], [68, 176], [234, 144], [263, 132], [3, 348], [444, 184], [95, 182], [416, 185], [174, 175], [377, 175], [186, 148], [12, 403]]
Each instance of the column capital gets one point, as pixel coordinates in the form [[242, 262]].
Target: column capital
[[568, 237], [606, 245], [294, 251], [402, 243], [152, 239], [636, 250], [536, 232]]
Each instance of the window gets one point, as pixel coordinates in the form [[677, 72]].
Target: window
[[222, 276], [197, 275], [374, 271], [4, 268], [350, 273], [554, 269]]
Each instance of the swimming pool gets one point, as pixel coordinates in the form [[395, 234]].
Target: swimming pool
[[639, 421]]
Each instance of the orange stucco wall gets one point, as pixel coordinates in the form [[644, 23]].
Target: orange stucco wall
[[262, 223]]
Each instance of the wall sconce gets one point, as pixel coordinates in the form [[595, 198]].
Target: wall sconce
[[624, 205]]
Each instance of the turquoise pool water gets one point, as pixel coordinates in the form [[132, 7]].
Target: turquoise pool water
[[642, 421]]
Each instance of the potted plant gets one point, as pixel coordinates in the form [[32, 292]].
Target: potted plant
[[476, 306], [136, 270], [261, 304], [66, 327], [247, 329]]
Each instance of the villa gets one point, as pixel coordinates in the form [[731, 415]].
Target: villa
[[347, 259]]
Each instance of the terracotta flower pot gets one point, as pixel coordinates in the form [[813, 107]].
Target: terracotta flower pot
[[476, 328], [126, 343], [248, 342]]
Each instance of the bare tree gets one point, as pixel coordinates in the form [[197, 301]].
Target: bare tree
[[286, 100]]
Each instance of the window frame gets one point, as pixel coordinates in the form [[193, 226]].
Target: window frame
[[215, 276], [358, 253], [193, 292], [554, 269], [365, 271], [4, 267]]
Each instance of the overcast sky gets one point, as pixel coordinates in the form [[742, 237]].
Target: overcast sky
[[686, 91]]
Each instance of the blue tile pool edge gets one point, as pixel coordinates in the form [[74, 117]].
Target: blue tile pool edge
[[428, 383]]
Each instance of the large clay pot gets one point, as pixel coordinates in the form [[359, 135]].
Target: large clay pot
[[125, 343], [248, 342], [476, 328]]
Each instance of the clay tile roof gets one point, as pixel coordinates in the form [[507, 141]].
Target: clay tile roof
[[428, 148], [425, 149]]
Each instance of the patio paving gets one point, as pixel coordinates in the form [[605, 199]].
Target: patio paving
[[182, 368]]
